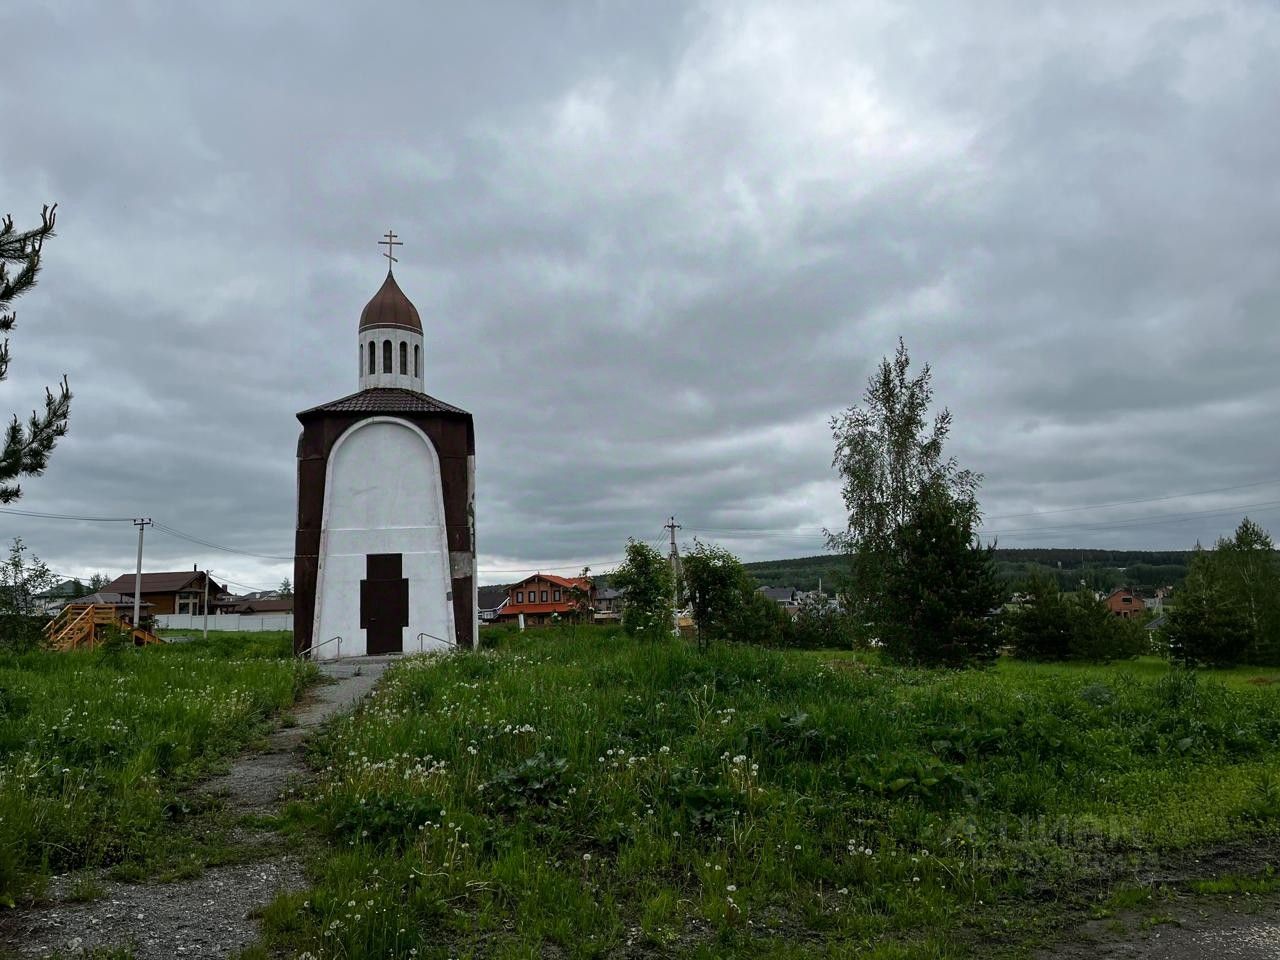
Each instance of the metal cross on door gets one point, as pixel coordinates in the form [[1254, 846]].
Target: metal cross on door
[[384, 603]]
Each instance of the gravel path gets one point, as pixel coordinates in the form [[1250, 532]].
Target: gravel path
[[208, 916]]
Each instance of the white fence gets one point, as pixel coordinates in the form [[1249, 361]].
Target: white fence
[[248, 622]]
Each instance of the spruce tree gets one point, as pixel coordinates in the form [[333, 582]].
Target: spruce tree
[[26, 449], [1040, 627], [941, 594]]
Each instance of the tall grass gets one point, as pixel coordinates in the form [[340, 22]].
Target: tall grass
[[96, 748], [576, 796]]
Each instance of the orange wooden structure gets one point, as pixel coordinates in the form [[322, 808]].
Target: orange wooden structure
[[83, 626]]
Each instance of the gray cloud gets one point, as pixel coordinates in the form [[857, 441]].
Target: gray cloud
[[654, 250]]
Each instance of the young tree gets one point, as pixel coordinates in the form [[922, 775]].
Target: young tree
[[727, 603], [1247, 567], [579, 598], [1075, 626], [286, 588], [21, 612], [645, 576], [888, 453], [1206, 628], [26, 450], [1041, 627], [941, 593], [97, 582], [717, 588], [760, 620], [1097, 634]]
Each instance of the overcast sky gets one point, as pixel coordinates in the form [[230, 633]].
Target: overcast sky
[[655, 247]]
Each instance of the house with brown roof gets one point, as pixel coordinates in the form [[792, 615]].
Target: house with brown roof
[[543, 595], [182, 591]]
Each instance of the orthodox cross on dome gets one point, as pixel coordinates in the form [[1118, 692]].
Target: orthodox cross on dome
[[390, 243]]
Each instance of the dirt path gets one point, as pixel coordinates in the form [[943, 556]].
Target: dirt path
[[1231, 931], [1180, 924], [208, 916]]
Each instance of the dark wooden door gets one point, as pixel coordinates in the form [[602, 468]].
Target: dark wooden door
[[384, 603]]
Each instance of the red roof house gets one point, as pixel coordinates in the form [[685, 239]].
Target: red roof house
[[542, 595]]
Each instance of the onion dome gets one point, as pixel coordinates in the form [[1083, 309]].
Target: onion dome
[[390, 308]]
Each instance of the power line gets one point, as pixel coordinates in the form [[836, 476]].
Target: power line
[[1121, 503], [63, 516], [192, 538], [569, 566], [237, 583], [172, 531]]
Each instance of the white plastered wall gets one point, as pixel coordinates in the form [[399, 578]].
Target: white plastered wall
[[380, 378], [382, 495]]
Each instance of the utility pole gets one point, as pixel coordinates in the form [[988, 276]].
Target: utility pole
[[206, 604], [141, 523], [672, 526]]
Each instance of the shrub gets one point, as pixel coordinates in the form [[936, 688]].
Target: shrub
[[537, 781], [759, 620], [819, 625], [1077, 626]]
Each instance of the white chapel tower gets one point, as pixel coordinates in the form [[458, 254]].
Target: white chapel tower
[[385, 548]]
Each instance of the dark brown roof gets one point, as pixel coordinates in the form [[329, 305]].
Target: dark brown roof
[[490, 598], [385, 400], [160, 583], [266, 606], [390, 308]]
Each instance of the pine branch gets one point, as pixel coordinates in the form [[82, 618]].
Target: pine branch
[[26, 452], [21, 248]]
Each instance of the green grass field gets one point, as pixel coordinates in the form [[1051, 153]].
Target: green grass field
[[600, 797], [97, 747], [1141, 668]]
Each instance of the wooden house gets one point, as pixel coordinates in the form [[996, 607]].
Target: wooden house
[[543, 595], [174, 592]]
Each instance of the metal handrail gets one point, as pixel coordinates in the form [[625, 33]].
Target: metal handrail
[[312, 649], [450, 643]]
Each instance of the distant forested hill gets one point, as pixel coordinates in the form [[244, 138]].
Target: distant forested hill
[[1100, 569]]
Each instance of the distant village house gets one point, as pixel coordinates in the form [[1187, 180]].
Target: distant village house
[[1125, 603]]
